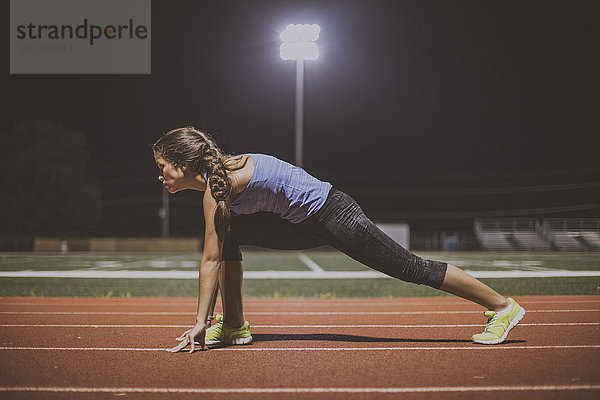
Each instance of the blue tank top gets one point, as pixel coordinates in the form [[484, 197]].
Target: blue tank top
[[281, 188]]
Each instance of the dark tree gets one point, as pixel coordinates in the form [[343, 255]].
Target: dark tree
[[44, 188]]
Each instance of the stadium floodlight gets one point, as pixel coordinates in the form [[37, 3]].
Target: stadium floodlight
[[299, 50], [298, 43]]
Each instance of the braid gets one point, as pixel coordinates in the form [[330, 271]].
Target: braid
[[220, 188], [219, 183], [199, 150]]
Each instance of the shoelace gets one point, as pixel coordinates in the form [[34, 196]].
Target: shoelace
[[218, 328], [493, 321]]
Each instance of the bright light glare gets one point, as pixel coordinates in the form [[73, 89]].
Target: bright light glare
[[300, 33], [299, 50], [299, 42]]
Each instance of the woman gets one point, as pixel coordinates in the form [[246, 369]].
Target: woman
[[277, 205]]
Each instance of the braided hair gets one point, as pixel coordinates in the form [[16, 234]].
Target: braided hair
[[199, 150]]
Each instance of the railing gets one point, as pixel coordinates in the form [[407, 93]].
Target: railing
[[505, 224], [554, 233], [576, 225]]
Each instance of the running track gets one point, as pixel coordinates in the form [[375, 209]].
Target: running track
[[88, 348]]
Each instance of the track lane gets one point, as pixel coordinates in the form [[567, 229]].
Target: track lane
[[445, 393], [297, 337], [472, 317], [468, 366], [299, 369], [283, 305]]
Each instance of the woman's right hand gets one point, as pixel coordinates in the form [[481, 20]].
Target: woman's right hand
[[198, 332]]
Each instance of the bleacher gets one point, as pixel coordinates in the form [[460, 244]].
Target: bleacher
[[530, 234], [593, 239], [573, 234], [510, 234], [494, 241], [532, 241]]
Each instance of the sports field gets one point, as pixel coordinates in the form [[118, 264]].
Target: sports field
[[74, 326], [320, 274]]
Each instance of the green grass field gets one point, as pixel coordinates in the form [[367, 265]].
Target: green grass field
[[285, 261]]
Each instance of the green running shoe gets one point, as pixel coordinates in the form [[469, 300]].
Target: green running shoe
[[221, 334], [499, 324]]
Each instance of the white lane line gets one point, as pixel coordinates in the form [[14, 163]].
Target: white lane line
[[362, 302], [250, 348], [314, 313], [309, 263], [398, 312], [420, 326], [95, 313], [220, 390], [92, 326], [286, 326], [178, 274]]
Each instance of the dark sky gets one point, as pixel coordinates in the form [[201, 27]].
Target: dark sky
[[418, 94]]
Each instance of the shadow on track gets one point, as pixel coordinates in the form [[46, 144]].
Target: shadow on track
[[333, 337]]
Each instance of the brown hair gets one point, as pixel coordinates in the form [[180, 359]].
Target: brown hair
[[199, 150]]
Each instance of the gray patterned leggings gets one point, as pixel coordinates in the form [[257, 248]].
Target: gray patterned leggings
[[340, 223]]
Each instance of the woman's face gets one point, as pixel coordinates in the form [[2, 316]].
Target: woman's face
[[172, 178]]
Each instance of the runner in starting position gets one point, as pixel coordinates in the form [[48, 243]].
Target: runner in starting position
[[256, 199]]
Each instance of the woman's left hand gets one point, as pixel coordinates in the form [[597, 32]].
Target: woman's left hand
[[190, 336]]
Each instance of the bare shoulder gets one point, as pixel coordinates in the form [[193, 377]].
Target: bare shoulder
[[241, 170], [209, 204]]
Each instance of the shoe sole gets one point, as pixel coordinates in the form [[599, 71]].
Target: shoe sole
[[512, 324], [233, 342], [241, 341]]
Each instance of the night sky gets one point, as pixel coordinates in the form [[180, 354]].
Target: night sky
[[427, 111]]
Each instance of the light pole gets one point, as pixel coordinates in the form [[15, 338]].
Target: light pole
[[298, 43], [163, 213]]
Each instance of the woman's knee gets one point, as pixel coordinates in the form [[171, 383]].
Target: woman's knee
[[426, 272], [231, 252]]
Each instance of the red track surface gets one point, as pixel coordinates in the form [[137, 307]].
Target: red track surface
[[338, 348]]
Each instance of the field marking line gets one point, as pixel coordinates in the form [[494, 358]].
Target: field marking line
[[532, 274], [221, 390], [135, 264], [181, 274], [250, 348], [286, 326], [107, 265], [309, 263], [311, 313]]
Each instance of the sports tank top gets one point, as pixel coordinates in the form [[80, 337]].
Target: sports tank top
[[281, 188]]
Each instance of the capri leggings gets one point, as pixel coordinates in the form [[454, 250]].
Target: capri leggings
[[340, 223]]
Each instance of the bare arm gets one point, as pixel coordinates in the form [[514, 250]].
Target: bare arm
[[208, 277], [211, 259]]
